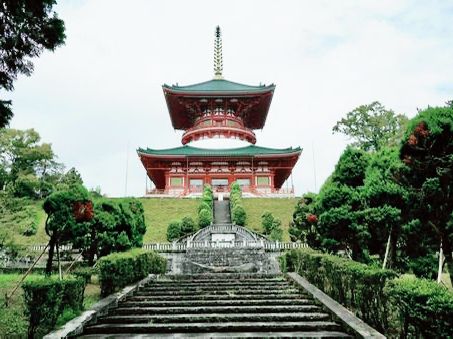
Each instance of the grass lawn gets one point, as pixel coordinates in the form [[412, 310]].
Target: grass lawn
[[12, 318], [281, 208], [160, 211]]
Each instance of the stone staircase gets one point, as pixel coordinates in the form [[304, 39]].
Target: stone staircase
[[217, 305]]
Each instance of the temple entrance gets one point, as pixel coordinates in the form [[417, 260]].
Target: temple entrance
[[219, 185]]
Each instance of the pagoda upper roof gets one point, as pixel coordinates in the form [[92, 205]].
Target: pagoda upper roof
[[221, 87], [250, 150]]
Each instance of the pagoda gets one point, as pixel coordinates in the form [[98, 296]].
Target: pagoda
[[213, 109]]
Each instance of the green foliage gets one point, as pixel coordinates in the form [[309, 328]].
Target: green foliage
[[304, 224], [372, 126], [204, 217], [238, 214], [276, 232], [28, 167], [28, 28], [267, 220], [187, 226], [357, 286], [120, 269], [84, 273], [351, 167], [424, 309], [47, 298], [271, 226], [427, 151], [204, 205], [405, 307], [117, 225], [205, 209], [174, 230]]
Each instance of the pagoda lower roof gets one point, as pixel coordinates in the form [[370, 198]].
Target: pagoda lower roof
[[220, 86], [247, 151]]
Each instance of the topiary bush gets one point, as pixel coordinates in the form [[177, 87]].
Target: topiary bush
[[174, 230], [117, 270], [238, 214], [46, 299], [204, 218], [187, 226]]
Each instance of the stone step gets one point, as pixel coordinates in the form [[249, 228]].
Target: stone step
[[226, 291], [218, 284], [213, 327], [259, 307], [223, 276], [230, 335], [245, 297], [222, 302], [213, 317], [219, 280]]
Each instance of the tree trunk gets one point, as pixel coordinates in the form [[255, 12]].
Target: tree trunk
[[441, 264], [93, 248], [447, 248], [52, 242], [387, 249]]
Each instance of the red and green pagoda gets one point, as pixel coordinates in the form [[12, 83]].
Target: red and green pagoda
[[213, 109]]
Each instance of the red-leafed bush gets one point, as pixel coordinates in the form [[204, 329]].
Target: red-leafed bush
[[83, 211], [311, 218]]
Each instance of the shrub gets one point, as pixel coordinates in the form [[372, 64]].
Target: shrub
[[357, 286], [46, 299], [174, 230], [423, 307], [204, 206], [276, 232], [84, 273], [117, 270], [267, 220], [239, 216], [187, 226], [404, 307], [204, 218]]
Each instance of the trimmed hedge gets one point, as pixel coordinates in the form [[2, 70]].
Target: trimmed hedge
[[47, 298], [238, 214], [117, 270], [85, 273], [424, 309], [398, 307], [205, 209]]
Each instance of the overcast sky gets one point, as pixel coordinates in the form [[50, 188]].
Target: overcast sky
[[99, 97]]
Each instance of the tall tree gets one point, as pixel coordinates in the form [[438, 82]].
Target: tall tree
[[427, 151], [26, 162], [65, 210], [27, 28], [372, 126]]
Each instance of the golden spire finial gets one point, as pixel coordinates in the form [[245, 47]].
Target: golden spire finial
[[218, 58]]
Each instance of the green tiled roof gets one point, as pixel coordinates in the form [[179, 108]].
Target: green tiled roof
[[250, 150], [219, 86]]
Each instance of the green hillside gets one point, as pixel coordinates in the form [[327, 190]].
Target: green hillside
[[158, 213], [281, 208]]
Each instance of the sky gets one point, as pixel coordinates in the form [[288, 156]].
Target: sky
[[99, 97]]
